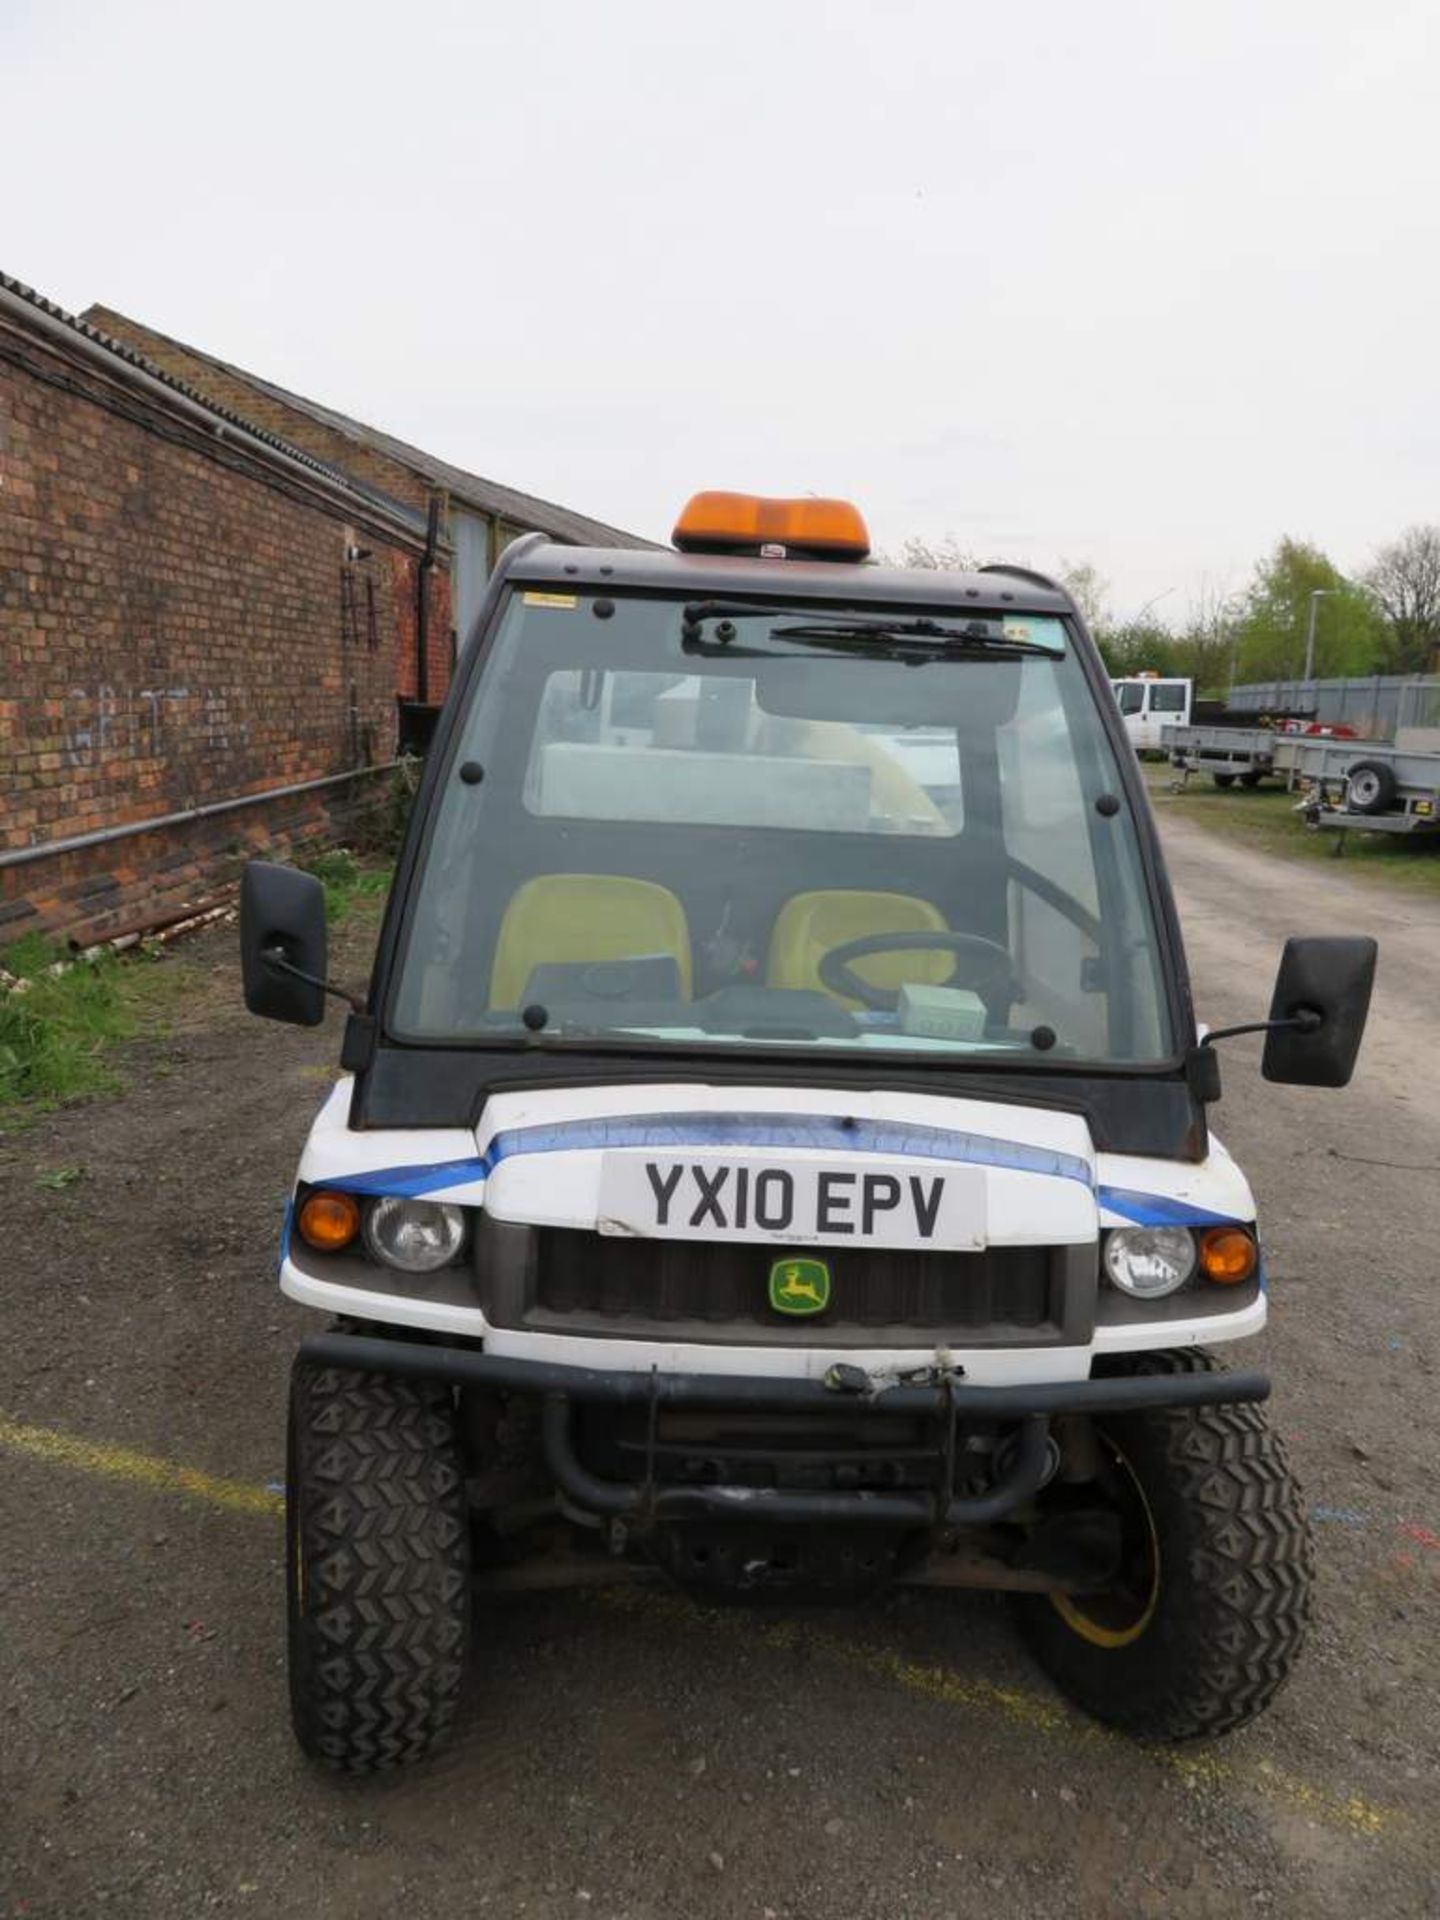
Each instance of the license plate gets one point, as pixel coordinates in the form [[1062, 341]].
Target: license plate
[[885, 1203]]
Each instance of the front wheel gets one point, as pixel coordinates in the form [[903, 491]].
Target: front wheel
[[378, 1567], [1223, 780], [1207, 1610]]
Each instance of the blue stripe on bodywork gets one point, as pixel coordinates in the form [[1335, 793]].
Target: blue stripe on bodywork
[[1156, 1210], [683, 1131], [897, 1138], [412, 1182], [687, 1130]]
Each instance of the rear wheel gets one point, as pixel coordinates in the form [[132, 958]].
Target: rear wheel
[[1223, 779], [378, 1567], [1251, 779], [1207, 1610]]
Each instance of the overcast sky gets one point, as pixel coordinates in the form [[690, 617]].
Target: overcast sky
[[1142, 284]]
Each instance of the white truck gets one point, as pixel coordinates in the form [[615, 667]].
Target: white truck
[[776, 1162], [1148, 704]]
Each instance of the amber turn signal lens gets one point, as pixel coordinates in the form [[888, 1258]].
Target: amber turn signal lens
[[328, 1221], [1227, 1254]]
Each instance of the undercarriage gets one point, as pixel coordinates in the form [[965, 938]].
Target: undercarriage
[[750, 1488]]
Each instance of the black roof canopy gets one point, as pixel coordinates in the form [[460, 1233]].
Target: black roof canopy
[[662, 571]]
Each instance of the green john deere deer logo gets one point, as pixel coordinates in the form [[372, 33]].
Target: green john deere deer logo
[[799, 1286]]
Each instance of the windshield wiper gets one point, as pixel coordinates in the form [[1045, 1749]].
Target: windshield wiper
[[933, 636], [919, 638]]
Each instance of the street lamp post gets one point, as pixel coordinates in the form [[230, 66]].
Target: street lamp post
[[1316, 593]]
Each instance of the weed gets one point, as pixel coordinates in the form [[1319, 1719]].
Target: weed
[[60, 1178], [57, 1021], [380, 822], [31, 956], [347, 881]]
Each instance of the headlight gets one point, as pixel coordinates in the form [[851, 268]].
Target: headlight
[[1149, 1262], [415, 1235]]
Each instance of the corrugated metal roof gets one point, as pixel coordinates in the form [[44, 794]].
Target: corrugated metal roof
[[334, 476], [522, 510]]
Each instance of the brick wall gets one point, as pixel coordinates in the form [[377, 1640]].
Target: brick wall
[[179, 624]]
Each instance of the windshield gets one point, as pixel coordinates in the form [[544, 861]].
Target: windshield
[[793, 829]]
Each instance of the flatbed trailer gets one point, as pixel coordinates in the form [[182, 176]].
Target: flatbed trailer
[[1377, 788], [1227, 754], [1372, 786]]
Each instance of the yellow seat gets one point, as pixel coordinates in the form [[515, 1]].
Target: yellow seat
[[574, 918], [810, 924]]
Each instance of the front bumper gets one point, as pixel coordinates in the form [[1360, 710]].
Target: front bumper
[[950, 1402]]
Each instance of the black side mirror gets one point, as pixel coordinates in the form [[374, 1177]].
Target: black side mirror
[[1323, 988], [282, 935]]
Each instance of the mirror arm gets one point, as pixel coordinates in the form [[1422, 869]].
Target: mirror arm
[[274, 958], [1304, 1020]]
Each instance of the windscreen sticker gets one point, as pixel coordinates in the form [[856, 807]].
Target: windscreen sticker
[[1014, 630], [567, 600]]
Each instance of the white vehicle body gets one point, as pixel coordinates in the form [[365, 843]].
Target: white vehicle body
[[544, 1160], [1148, 704]]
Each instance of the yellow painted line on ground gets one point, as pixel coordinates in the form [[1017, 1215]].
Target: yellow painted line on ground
[[140, 1469], [1034, 1712]]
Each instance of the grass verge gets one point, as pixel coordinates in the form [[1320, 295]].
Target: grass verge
[[60, 1025], [59, 1021], [1264, 817]]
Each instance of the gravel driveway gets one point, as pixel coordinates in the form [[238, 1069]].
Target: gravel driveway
[[631, 1755]]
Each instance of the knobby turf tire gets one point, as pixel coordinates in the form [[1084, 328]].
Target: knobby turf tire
[[377, 1567], [1236, 1564]]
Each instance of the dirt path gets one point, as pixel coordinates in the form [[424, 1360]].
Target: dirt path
[[646, 1760], [1239, 905]]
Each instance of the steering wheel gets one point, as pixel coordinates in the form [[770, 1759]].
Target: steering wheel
[[992, 977]]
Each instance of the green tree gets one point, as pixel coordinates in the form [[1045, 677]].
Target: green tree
[[1139, 646], [1349, 629]]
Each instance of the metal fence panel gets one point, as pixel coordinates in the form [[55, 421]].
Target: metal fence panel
[[1374, 706]]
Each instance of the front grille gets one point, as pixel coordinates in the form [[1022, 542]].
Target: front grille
[[598, 1284]]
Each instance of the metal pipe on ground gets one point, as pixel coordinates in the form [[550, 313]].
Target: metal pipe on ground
[[163, 927]]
